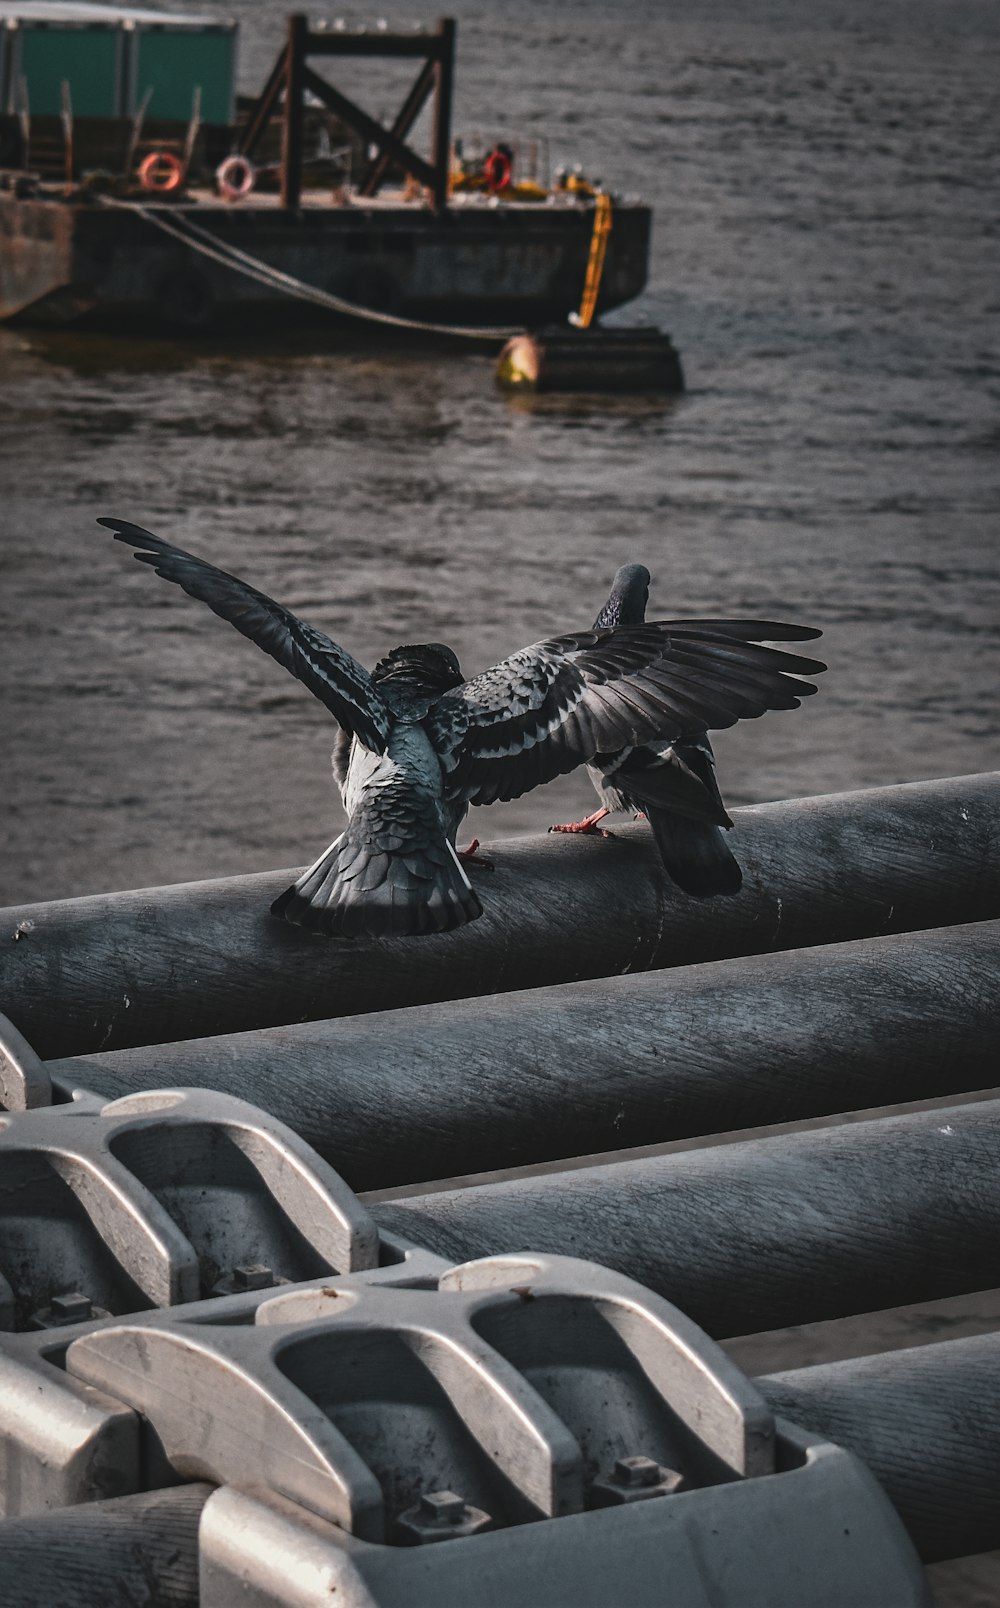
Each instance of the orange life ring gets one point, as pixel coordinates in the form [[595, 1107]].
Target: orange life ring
[[236, 177], [162, 171], [497, 170]]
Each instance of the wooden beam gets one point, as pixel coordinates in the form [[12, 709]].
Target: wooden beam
[[408, 114], [444, 73], [369, 129], [295, 81], [263, 109], [374, 44]]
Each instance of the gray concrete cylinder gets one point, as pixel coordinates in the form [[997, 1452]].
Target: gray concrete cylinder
[[474, 1085], [116, 970]]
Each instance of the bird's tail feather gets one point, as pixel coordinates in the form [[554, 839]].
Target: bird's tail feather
[[695, 854], [357, 890]]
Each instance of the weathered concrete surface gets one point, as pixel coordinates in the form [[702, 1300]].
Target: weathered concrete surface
[[746, 1237], [475, 1085], [111, 971]]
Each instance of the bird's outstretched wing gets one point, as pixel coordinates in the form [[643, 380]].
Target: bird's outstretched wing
[[555, 705], [337, 680]]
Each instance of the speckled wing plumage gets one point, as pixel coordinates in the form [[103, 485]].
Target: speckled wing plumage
[[330, 673], [552, 706]]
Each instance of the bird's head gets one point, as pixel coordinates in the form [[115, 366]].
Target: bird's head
[[428, 665], [627, 601]]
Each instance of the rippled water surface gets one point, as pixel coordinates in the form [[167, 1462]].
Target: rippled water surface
[[825, 255]]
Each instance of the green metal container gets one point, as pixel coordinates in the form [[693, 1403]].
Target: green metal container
[[173, 62], [110, 57]]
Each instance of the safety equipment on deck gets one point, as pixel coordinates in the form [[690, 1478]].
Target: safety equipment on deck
[[235, 177], [161, 172], [498, 169]]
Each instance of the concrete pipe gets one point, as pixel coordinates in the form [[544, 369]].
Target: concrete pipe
[[474, 1085], [115, 1554], [764, 1233], [122, 969], [927, 1423]]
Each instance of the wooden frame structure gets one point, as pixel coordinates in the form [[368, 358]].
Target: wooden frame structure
[[291, 76]]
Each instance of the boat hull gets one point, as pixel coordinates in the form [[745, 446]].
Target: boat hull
[[64, 262]]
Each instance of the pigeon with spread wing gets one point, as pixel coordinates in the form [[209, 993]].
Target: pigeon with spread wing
[[672, 783], [418, 744]]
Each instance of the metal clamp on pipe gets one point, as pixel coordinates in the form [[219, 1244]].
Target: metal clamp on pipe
[[160, 1198], [533, 1393], [24, 1078], [63, 1443]]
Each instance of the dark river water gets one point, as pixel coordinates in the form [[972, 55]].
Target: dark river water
[[826, 258]]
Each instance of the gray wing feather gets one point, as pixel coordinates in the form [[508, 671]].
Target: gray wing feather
[[552, 706], [330, 673]]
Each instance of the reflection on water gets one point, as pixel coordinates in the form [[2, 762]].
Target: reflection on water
[[824, 255]]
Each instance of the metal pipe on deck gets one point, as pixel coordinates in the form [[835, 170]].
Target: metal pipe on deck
[[927, 1423], [469, 1086], [208, 958], [761, 1234], [131, 1549]]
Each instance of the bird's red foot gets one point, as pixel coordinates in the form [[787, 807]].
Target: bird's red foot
[[588, 824], [470, 857]]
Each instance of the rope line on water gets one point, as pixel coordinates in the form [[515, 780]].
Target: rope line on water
[[239, 261]]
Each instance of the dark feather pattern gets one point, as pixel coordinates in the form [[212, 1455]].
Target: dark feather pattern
[[417, 745], [337, 680], [714, 672], [565, 699]]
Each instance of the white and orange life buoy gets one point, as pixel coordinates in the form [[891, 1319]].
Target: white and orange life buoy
[[161, 171], [235, 177]]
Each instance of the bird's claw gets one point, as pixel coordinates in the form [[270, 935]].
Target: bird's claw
[[583, 831], [470, 857], [585, 827]]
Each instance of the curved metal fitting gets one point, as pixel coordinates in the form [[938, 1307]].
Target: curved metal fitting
[[514, 1382], [24, 1078], [156, 1199], [63, 1442]]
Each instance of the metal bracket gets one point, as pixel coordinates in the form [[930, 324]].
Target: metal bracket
[[63, 1442], [819, 1531], [154, 1199], [513, 1385], [24, 1078]]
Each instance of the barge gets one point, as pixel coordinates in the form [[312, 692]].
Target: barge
[[203, 224]]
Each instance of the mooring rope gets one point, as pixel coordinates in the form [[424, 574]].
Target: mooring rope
[[239, 261]]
